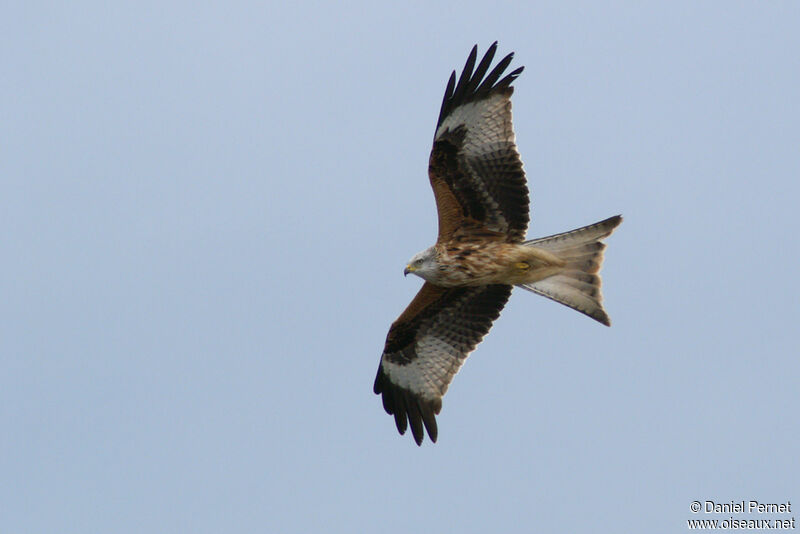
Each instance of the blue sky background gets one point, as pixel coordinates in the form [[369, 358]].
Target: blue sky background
[[206, 208]]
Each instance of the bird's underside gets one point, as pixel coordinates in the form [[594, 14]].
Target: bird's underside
[[485, 262], [481, 253]]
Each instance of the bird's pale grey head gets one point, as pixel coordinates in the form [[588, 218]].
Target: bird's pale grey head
[[423, 264]]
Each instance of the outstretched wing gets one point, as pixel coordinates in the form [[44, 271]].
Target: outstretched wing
[[427, 345], [475, 169]]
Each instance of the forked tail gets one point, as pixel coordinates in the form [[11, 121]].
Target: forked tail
[[578, 284]]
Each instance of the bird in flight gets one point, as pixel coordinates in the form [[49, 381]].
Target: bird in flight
[[481, 252]]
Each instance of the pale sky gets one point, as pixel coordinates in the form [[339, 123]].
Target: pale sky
[[205, 211]]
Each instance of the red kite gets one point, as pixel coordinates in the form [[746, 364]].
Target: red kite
[[481, 252]]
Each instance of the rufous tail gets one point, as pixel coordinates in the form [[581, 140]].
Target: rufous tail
[[578, 284]]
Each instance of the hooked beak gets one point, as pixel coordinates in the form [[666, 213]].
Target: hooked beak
[[408, 269]]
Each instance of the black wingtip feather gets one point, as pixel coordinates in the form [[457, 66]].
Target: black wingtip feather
[[505, 82], [472, 86], [489, 82], [377, 386], [399, 407], [414, 419], [426, 411], [482, 68], [387, 404], [466, 75], [407, 409], [448, 93]]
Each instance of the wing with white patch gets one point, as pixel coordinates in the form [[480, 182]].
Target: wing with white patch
[[427, 345], [475, 169]]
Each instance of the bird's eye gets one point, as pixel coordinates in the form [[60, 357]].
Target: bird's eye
[[418, 262]]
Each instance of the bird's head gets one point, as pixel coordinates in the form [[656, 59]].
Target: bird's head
[[423, 264]]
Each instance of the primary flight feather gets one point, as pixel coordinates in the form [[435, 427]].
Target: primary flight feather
[[481, 252]]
